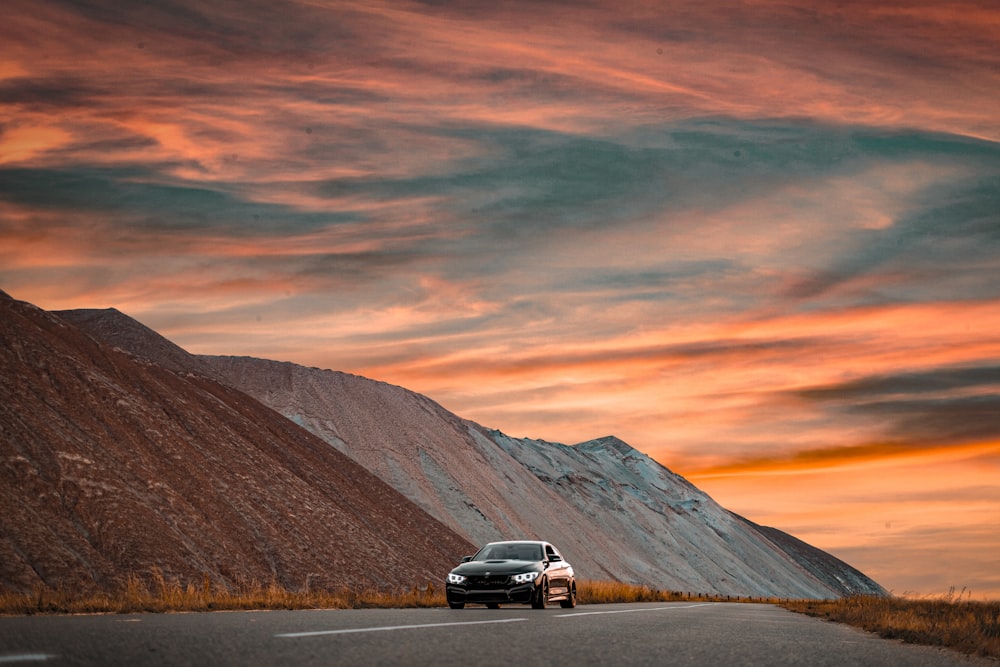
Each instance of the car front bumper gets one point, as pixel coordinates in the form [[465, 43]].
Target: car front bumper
[[522, 593]]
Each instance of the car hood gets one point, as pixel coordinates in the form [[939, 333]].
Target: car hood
[[497, 567]]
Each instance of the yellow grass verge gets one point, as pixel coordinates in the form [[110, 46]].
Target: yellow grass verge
[[964, 625], [157, 594], [606, 592]]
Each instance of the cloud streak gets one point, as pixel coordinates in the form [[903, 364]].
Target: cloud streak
[[734, 235]]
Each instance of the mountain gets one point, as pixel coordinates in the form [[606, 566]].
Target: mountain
[[684, 538], [113, 464], [615, 512], [117, 329], [448, 466]]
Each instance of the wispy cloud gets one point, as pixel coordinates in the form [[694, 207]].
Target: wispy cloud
[[729, 233]]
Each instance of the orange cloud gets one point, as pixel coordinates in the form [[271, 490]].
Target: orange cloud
[[731, 234], [868, 456]]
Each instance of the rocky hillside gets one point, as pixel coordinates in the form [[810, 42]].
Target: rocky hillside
[[615, 512], [677, 535], [446, 465], [111, 464]]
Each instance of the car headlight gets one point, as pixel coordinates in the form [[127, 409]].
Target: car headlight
[[455, 579], [524, 578]]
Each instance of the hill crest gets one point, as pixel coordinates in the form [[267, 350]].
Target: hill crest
[[111, 466]]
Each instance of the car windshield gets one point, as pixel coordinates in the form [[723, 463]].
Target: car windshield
[[510, 551]]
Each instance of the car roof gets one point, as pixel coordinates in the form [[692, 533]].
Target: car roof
[[538, 542]]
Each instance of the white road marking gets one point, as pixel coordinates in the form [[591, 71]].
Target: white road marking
[[629, 611], [26, 657], [388, 628]]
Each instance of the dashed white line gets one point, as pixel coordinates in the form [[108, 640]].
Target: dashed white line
[[629, 611], [25, 657], [388, 628]]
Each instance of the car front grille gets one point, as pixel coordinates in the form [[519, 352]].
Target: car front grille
[[492, 581]]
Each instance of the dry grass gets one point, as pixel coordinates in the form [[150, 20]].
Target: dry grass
[[606, 592], [964, 625], [157, 594]]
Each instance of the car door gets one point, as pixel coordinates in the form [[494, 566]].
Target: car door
[[556, 570]]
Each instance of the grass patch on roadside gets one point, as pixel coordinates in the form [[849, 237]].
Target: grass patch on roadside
[[155, 593], [960, 624], [608, 592], [158, 594]]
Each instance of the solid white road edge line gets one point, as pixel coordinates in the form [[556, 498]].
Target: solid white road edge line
[[629, 611], [387, 628]]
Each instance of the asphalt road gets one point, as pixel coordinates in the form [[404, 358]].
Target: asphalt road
[[621, 634]]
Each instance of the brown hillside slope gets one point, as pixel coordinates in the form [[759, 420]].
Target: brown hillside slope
[[111, 466], [112, 327]]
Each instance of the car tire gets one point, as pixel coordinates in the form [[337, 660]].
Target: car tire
[[570, 600], [456, 605], [541, 595]]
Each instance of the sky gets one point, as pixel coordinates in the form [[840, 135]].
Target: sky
[[757, 240]]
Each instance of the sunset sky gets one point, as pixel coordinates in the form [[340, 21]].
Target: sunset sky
[[757, 240]]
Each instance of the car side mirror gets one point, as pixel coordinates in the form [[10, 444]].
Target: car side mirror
[[553, 558], [466, 559]]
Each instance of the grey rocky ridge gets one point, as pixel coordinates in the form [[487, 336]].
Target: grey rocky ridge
[[615, 512]]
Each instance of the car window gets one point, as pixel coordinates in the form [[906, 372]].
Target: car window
[[522, 552], [512, 551], [531, 552], [489, 552]]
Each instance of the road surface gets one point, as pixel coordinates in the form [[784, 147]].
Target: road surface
[[683, 633]]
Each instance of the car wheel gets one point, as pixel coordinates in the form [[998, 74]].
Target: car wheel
[[456, 605], [570, 601], [541, 595]]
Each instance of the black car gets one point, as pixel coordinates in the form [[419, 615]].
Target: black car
[[503, 572]]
